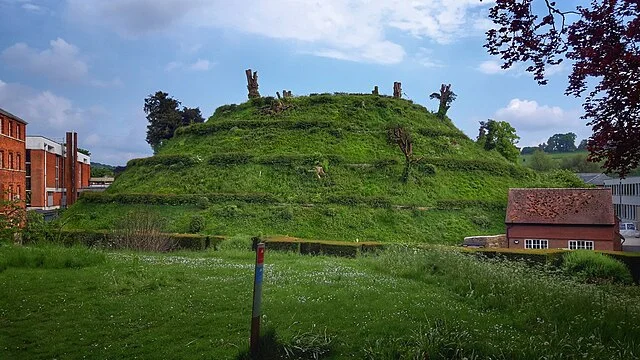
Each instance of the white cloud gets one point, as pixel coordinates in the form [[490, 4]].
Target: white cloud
[[51, 115], [32, 7], [534, 121], [173, 65], [492, 67], [343, 29], [61, 61], [201, 65], [425, 58]]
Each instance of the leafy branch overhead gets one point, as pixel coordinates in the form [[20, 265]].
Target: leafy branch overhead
[[601, 39]]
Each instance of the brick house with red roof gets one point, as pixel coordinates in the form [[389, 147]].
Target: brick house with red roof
[[562, 219], [12, 156]]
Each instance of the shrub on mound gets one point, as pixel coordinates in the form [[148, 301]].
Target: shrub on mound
[[595, 267]]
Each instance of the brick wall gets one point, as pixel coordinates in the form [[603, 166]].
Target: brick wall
[[12, 154], [604, 237]]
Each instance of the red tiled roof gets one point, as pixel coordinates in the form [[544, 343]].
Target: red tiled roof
[[560, 206]]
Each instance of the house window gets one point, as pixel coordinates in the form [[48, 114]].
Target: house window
[[10, 160], [580, 245], [57, 172], [536, 244], [10, 129], [19, 161], [18, 192], [18, 131], [1, 159]]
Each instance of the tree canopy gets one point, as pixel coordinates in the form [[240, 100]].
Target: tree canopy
[[164, 116], [601, 39], [561, 143], [499, 135]]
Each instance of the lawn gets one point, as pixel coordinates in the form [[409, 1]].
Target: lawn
[[403, 303]]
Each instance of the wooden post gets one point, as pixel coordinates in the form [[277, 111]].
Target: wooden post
[[254, 342], [397, 90], [252, 84], [375, 90]]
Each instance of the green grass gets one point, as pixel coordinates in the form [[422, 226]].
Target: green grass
[[324, 222], [240, 150], [401, 304]]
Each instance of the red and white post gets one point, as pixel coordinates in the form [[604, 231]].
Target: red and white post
[[254, 343]]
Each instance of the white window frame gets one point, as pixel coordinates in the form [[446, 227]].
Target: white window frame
[[536, 243], [581, 245]]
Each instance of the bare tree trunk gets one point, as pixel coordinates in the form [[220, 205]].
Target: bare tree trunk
[[397, 90], [252, 84]]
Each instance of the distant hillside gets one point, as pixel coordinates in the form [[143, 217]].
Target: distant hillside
[[250, 169]]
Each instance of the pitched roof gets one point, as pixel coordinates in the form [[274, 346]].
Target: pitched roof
[[560, 206], [10, 115], [594, 178]]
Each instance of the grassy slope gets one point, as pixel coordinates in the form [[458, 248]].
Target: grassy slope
[[349, 127], [399, 305]]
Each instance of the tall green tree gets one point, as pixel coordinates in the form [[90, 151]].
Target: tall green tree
[[445, 97], [583, 145], [164, 118], [191, 116], [540, 161], [560, 143], [499, 135]]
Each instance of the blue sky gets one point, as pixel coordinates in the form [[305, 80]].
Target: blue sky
[[87, 65]]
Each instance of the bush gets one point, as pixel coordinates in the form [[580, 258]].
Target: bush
[[237, 242], [165, 160], [141, 230], [595, 267], [36, 230], [202, 202], [196, 224]]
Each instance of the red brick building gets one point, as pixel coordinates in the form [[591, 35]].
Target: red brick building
[[55, 172], [562, 218], [12, 155]]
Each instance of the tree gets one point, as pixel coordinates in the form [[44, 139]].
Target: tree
[[540, 161], [445, 97], [84, 151], [499, 135], [12, 216], [400, 136], [583, 145], [601, 40], [561, 143], [191, 116], [164, 118], [579, 163]]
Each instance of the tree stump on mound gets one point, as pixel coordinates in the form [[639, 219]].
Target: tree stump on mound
[[397, 90], [252, 84]]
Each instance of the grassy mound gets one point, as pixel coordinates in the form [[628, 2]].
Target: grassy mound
[[250, 170]]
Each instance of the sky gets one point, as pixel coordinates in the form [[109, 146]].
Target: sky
[[87, 65]]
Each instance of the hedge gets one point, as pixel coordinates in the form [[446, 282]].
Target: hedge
[[166, 160], [431, 132], [211, 127], [100, 239], [175, 200], [490, 166], [554, 257], [320, 247], [353, 200], [465, 204]]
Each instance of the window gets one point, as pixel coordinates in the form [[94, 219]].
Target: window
[[1, 159], [19, 161], [18, 131], [10, 129], [18, 192], [57, 172], [10, 165], [536, 244], [580, 244]]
